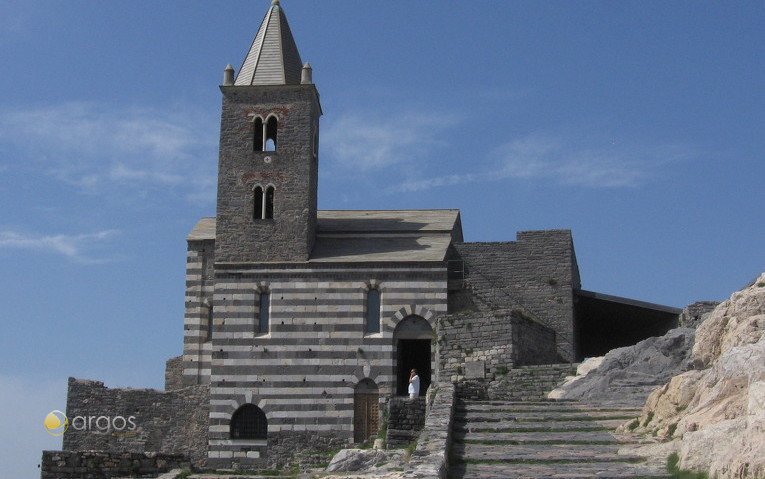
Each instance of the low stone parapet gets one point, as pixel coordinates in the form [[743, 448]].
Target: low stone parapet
[[430, 458], [107, 465], [406, 417]]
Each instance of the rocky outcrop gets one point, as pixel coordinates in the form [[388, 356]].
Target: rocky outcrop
[[715, 414], [627, 375], [367, 460]]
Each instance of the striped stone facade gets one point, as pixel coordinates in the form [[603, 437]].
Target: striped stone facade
[[302, 374], [200, 285]]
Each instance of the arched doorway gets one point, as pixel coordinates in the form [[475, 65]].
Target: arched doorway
[[412, 339], [366, 410]]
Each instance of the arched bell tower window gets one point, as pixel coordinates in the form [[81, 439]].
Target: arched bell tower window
[[257, 134], [271, 132], [269, 206], [249, 422], [257, 203]]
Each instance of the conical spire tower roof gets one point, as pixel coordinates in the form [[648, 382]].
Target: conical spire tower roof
[[273, 58]]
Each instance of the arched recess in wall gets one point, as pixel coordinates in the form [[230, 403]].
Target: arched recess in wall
[[366, 410], [412, 341], [248, 422]]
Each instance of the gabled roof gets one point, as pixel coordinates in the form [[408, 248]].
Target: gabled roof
[[273, 58], [385, 235], [374, 235]]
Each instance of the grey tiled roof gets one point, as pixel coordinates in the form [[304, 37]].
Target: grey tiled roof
[[273, 58], [374, 235]]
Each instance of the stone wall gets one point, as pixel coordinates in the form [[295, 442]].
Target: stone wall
[[525, 383], [174, 373], [478, 345], [430, 458], [200, 285], [536, 273], [106, 465], [405, 420], [172, 422], [292, 169], [693, 314], [529, 383], [306, 449]]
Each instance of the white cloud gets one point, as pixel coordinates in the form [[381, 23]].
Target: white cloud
[[367, 142], [565, 160], [76, 247], [24, 403], [95, 147]]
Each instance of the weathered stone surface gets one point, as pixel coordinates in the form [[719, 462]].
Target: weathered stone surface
[[737, 321], [106, 465], [628, 375], [475, 369], [717, 415], [349, 460]]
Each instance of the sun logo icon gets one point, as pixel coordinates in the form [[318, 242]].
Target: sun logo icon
[[56, 423]]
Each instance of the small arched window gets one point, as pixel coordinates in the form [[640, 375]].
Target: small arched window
[[372, 323], [269, 207], [209, 322], [257, 203], [263, 320], [271, 132], [249, 422], [257, 134]]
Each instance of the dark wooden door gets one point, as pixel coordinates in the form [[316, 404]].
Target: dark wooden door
[[366, 413]]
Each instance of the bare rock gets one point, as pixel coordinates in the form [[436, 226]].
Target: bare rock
[[358, 460], [628, 375], [718, 413]]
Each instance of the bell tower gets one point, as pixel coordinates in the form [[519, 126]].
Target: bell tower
[[268, 164]]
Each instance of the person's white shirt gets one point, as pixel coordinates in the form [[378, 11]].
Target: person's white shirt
[[414, 386]]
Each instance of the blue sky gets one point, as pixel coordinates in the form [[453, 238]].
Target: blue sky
[[638, 125]]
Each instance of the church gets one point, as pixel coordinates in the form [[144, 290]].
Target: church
[[294, 313], [302, 323]]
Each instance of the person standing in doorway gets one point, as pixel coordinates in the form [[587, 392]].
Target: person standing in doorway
[[414, 384]]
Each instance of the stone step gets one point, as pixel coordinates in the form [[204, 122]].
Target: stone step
[[552, 426], [547, 452], [575, 437], [527, 407], [541, 416], [241, 475], [503, 403], [599, 470]]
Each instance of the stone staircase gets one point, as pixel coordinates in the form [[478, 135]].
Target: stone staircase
[[543, 439]]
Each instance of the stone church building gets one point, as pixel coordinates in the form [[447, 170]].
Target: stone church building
[[301, 323]]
